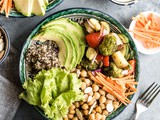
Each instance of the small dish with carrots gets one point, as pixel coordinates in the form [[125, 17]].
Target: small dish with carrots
[[145, 31]]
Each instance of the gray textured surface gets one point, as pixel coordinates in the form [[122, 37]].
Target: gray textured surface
[[19, 29]]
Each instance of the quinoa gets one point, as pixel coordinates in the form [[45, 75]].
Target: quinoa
[[42, 55]]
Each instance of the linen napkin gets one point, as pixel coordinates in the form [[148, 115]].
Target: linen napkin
[[9, 101], [9, 85]]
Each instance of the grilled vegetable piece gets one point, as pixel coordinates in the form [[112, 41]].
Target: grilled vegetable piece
[[89, 65], [119, 60], [91, 53], [108, 45], [94, 24], [113, 71], [106, 26]]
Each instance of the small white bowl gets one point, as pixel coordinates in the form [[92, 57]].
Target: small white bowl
[[138, 43]]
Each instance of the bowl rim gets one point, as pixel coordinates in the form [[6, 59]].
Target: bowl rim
[[7, 43], [124, 3], [138, 44], [91, 12]]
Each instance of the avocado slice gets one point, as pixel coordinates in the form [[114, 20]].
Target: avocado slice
[[74, 52], [24, 6], [75, 29], [39, 7], [59, 39]]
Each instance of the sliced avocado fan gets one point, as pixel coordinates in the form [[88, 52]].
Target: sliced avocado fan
[[72, 34], [27, 7]]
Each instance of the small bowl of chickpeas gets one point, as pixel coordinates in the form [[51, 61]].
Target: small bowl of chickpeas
[[4, 44]]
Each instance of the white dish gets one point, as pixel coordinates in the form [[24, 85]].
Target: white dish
[[138, 43]]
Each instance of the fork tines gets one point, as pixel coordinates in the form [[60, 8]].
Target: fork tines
[[149, 95]]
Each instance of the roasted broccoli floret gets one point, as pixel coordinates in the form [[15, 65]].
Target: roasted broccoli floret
[[113, 71], [108, 45], [87, 64]]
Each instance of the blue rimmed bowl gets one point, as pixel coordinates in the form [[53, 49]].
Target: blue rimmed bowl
[[78, 14], [124, 2]]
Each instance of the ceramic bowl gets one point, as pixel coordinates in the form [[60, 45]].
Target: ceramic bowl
[[6, 42], [138, 43], [78, 14], [124, 2]]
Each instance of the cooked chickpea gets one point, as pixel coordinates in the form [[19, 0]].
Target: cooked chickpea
[[96, 95], [102, 99], [90, 94], [85, 97], [83, 73], [103, 117], [98, 109], [85, 106], [70, 116], [105, 112], [102, 105], [98, 116], [95, 87], [91, 102], [115, 104], [93, 111], [92, 116], [72, 107], [87, 81], [77, 104], [72, 111], [102, 92], [83, 86], [81, 102], [85, 112], [75, 118], [65, 118]]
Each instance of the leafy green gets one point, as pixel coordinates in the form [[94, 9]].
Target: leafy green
[[53, 91]]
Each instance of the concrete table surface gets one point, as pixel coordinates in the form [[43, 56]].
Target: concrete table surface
[[19, 29]]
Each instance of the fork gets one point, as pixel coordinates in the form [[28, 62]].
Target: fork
[[146, 99]]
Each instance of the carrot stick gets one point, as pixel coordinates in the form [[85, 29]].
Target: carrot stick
[[1, 2], [4, 5], [9, 7]]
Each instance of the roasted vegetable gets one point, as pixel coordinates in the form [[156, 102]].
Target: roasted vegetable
[[119, 60], [113, 71], [94, 24], [89, 65], [108, 45], [91, 53]]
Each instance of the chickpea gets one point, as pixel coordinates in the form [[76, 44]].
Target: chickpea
[[83, 86], [102, 92], [103, 117], [87, 81], [72, 107], [102, 105], [70, 116], [105, 112], [98, 116], [72, 111], [95, 87], [96, 95], [90, 94], [77, 104], [85, 106], [75, 118], [98, 109], [85, 97], [102, 99], [85, 112], [83, 73], [91, 102], [115, 104], [92, 116], [81, 102], [65, 118], [93, 111]]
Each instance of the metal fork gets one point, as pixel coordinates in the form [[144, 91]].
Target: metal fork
[[146, 99]]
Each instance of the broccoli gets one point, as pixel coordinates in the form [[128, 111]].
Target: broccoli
[[113, 71], [108, 45], [87, 64]]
